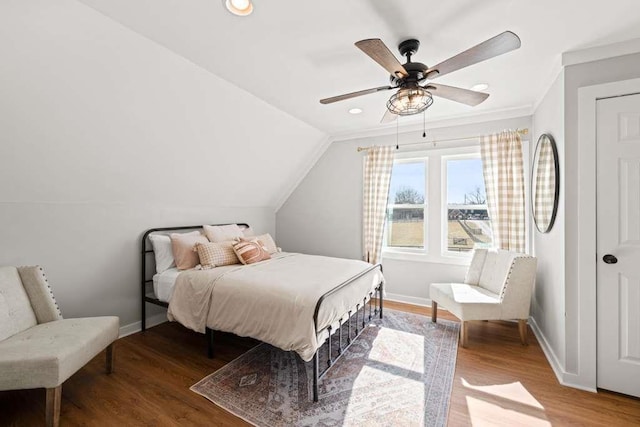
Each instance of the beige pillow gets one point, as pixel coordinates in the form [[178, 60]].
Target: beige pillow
[[251, 251], [183, 245], [248, 232], [266, 240], [222, 233], [216, 254]]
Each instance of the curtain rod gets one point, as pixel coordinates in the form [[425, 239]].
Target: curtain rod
[[520, 131]]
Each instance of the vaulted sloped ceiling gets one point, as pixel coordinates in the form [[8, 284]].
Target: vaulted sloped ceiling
[[93, 112], [292, 53]]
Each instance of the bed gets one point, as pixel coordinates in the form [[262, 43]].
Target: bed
[[296, 302]]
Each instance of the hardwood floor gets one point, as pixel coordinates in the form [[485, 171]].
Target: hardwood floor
[[497, 382]]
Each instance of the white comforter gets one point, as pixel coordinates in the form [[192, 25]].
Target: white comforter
[[273, 301]]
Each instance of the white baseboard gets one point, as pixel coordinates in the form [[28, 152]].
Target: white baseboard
[[573, 380], [565, 378], [424, 302], [134, 327], [548, 351]]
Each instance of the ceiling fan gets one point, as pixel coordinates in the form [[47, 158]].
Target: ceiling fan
[[414, 93]]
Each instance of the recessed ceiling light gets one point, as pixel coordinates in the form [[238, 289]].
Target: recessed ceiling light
[[480, 86], [355, 111], [239, 7]]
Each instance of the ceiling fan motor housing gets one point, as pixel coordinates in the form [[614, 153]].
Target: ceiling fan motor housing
[[417, 74]]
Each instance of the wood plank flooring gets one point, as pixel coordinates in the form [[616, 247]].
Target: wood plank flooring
[[497, 382]]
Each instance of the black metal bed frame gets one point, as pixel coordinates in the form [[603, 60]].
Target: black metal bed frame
[[317, 373]]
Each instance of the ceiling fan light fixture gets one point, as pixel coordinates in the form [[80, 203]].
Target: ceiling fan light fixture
[[409, 101], [355, 111], [239, 7]]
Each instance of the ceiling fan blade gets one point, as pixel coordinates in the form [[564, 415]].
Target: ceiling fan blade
[[380, 53], [388, 117], [354, 94], [502, 43], [457, 94]]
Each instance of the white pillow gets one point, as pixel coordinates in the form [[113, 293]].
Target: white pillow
[[163, 251], [222, 233]]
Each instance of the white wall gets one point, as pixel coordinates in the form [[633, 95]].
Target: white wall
[[548, 305], [104, 134], [324, 214]]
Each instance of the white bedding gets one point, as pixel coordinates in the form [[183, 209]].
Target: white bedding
[[273, 301], [164, 282]]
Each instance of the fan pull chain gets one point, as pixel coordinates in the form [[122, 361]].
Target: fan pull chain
[[397, 132], [424, 124]]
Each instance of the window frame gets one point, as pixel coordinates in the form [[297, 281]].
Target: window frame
[[406, 250], [435, 190], [444, 245]]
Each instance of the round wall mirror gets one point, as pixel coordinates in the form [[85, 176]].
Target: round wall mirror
[[545, 183]]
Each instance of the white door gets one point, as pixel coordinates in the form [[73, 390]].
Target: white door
[[618, 246]]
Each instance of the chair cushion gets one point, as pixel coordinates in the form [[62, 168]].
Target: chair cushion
[[466, 302], [47, 354], [16, 314]]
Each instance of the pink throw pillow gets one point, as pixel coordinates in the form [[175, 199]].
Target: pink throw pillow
[[183, 245]]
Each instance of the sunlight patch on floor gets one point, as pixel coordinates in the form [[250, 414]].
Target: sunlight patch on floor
[[483, 413], [503, 404], [513, 391], [377, 385], [407, 351]]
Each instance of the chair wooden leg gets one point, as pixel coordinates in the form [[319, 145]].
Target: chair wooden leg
[[522, 328], [434, 311], [463, 333], [110, 359], [53, 406]]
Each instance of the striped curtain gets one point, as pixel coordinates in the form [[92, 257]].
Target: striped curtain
[[504, 181], [377, 176]]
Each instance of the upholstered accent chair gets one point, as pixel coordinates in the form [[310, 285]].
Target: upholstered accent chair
[[498, 286], [40, 349]]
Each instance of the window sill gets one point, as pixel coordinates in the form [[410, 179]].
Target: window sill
[[419, 257]]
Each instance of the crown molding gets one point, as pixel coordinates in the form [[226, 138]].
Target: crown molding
[[597, 53], [471, 118]]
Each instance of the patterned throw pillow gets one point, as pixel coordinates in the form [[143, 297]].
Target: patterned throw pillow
[[266, 240], [216, 254], [251, 251]]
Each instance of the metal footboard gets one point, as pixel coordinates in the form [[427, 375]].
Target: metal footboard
[[378, 292]]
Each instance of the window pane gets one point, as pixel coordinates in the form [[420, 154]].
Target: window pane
[[468, 224], [407, 183], [405, 227], [405, 215]]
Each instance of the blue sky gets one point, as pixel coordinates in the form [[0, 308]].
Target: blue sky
[[463, 176]]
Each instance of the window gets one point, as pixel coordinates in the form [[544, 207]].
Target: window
[[466, 219], [437, 208], [407, 205]]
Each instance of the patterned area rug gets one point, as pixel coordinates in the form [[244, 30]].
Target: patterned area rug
[[399, 372]]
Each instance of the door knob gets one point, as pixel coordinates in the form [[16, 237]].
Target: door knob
[[609, 259]]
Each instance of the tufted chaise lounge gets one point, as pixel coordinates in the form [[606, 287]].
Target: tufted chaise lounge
[[498, 286], [40, 349]]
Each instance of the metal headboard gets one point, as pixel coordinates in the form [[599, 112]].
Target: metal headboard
[[144, 280]]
